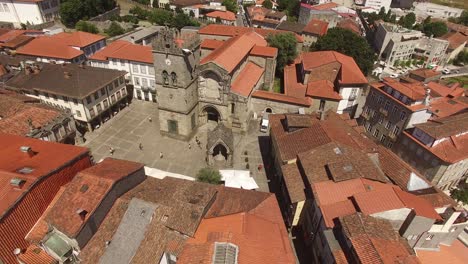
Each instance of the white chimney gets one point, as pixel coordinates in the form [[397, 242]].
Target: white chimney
[[427, 97]]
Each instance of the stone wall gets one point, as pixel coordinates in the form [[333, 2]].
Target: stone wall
[[107, 15]]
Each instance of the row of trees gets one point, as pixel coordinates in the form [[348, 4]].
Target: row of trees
[[165, 17], [461, 58], [113, 30], [72, 11], [463, 19]]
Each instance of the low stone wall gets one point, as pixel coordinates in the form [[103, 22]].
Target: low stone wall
[[107, 15]]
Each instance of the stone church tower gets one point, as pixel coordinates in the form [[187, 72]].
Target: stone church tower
[[176, 57]]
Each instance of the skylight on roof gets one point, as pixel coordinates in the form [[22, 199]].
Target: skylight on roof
[[25, 170]]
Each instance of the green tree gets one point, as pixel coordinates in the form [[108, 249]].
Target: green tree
[[86, 27], [267, 4], [348, 43], [181, 20], [231, 5], [408, 20], [161, 17], [286, 45], [392, 19], [140, 13], [291, 7], [435, 29], [114, 29], [460, 195], [71, 12], [396, 63], [209, 175]]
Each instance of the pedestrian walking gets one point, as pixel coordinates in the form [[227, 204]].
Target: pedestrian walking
[[150, 119], [160, 155], [140, 146], [189, 146], [111, 150]]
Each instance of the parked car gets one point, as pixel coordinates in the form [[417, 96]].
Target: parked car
[[394, 75], [445, 71], [264, 125]]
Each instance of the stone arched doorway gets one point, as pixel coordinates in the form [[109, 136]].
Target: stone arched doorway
[[220, 153], [268, 110], [220, 147], [210, 114]]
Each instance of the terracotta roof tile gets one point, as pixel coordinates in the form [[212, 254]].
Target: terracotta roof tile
[[325, 6], [350, 24], [445, 127], [48, 47], [282, 98], [455, 39], [445, 91], [86, 192], [223, 15], [425, 73], [457, 253], [444, 107], [322, 89], [78, 38], [378, 201], [247, 79], [35, 255], [124, 50], [211, 44], [294, 183], [316, 27], [264, 51], [17, 42], [223, 30], [420, 206], [414, 91], [332, 211]]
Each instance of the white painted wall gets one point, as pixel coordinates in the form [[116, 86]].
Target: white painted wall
[[346, 93], [24, 12], [418, 118], [377, 4], [436, 11]]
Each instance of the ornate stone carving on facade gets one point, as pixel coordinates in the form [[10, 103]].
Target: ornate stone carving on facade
[[220, 146]]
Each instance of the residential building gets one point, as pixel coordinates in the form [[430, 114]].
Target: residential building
[[16, 38], [92, 95], [403, 4], [29, 12], [313, 30], [438, 149], [222, 17], [394, 43], [425, 75], [136, 60], [330, 80], [329, 172], [169, 220], [63, 47], [25, 116], [425, 9], [431, 51], [374, 4], [261, 17], [330, 12], [142, 35], [457, 43], [32, 172]]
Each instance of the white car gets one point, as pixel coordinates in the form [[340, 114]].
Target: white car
[[394, 75], [445, 71]]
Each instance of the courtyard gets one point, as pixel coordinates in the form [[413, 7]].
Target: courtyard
[[132, 127]]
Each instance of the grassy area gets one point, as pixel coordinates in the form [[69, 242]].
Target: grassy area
[[453, 3], [461, 79], [278, 85]]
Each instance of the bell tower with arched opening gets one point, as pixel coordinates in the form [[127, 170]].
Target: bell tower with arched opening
[[175, 58]]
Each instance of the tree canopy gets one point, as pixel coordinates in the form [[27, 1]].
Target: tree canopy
[[72, 11], [86, 27], [463, 19], [460, 195], [231, 5], [348, 43], [436, 29], [291, 7], [286, 45], [408, 20], [267, 4], [114, 29], [209, 175]]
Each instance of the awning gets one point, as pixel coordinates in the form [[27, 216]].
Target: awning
[[238, 179]]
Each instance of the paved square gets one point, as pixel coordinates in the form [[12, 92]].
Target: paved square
[[130, 127]]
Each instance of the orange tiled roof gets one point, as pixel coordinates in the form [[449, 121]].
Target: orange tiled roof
[[455, 39], [350, 72], [124, 50], [282, 98], [425, 73], [377, 201], [420, 206], [49, 156], [264, 51], [443, 107], [86, 192], [350, 24], [322, 89], [335, 210], [78, 38], [247, 79], [223, 15], [211, 44], [316, 27], [224, 30], [445, 91], [11, 35], [414, 91], [17, 41], [48, 47], [457, 253], [261, 226], [36, 255], [234, 50]]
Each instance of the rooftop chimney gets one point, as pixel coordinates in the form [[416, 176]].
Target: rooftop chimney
[[82, 213], [132, 39], [427, 97], [28, 150]]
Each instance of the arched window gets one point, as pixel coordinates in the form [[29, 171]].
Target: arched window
[[174, 78], [165, 76]]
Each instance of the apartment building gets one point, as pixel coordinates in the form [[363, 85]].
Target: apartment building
[[438, 150], [92, 95], [63, 47], [26, 11], [136, 60], [425, 9], [431, 51], [394, 43], [329, 172], [374, 4], [31, 171]]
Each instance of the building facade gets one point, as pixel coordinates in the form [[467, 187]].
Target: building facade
[[91, 95], [29, 12], [431, 51]]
